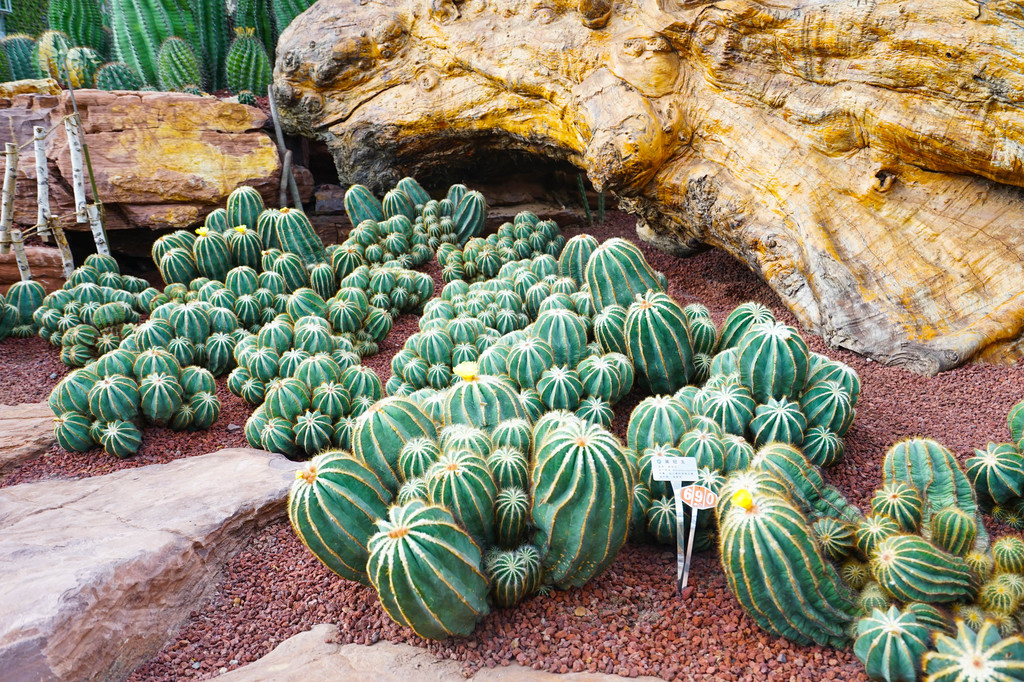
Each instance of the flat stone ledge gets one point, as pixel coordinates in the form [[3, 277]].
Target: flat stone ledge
[[26, 432], [100, 573], [311, 655]]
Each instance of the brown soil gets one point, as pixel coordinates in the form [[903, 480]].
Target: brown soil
[[628, 621]]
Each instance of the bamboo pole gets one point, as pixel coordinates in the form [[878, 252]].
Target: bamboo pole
[[286, 169], [77, 170], [99, 235], [18, 246], [67, 259], [7, 202], [42, 184]]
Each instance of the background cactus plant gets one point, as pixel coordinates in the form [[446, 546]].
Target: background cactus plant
[[247, 64]]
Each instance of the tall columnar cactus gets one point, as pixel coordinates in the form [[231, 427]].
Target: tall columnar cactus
[[582, 493], [801, 597], [81, 20], [912, 569], [890, 645], [118, 76], [211, 27], [983, 655], [617, 272], [255, 14], [333, 506], [247, 63], [285, 11], [427, 571], [178, 65], [139, 28], [658, 342], [18, 55]]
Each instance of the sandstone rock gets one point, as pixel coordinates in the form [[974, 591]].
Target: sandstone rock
[[161, 160], [26, 432], [45, 86], [100, 572], [46, 268], [864, 158], [312, 656]]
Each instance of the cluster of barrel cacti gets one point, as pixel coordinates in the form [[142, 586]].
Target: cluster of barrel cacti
[[445, 518], [18, 309], [461, 215], [481, 258], [307, 384], [94, 310], [166, 44], [155, 376]]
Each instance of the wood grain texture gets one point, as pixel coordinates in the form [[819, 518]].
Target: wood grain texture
[[864, 157]]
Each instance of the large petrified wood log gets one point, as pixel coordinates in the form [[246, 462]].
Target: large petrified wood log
[[864, 157]]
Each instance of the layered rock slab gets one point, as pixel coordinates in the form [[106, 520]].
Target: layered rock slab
[[313, 655], [101, 572], [26, 432], [160, 159]]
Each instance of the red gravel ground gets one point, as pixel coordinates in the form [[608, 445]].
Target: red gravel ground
[[629, 621]]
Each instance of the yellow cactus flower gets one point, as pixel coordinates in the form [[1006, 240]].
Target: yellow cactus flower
[[743, 499]]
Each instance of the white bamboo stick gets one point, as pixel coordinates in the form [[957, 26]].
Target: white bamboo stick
[[77, 170], [98, 233], [67, 260], [7, 202], [18, 246], [42, 184]]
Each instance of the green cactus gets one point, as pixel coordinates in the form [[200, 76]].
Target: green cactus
[[178, 65], [255, 14], [81, 20], [977, 656], [384, 430], [18, 58], [890, 645], [582, 488], [912, 569], [333, 506], [427, 571], [773, 360], [617, 272], [901, 502], [935, 473], [295, 234], [511, 511], [71, 429], [778, 421], [160, 396], [835, 537], [139, 28], [954, 530], [461, 482], [247, 64], [658, 342], [573, 260], [801, 597], [997, 473], [805, 483], [480, 400], [1008, 554], [211, 31], [120, 438], [658, 420]]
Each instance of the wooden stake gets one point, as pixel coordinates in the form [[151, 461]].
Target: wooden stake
[[7, 203], [99, 235], [77, 171], [42, 184], [286, 170], [67, 260], [18, 246]]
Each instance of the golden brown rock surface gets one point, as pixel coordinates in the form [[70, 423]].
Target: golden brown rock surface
[[161, 160], [864, 158]]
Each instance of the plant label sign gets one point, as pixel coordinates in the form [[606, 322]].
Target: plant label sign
[[679, 470]]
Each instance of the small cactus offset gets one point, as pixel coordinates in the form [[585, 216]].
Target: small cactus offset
[[248, 66], [912, 569], [178, 65], [247, 97]]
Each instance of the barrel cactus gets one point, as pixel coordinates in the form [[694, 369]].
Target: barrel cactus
[[912, 569], [658, 341], [981, 655], [890, 645], [617, 272], [427, 571]]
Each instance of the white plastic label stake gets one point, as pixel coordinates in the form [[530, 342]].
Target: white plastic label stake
[[676, 470], [698, 497]]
